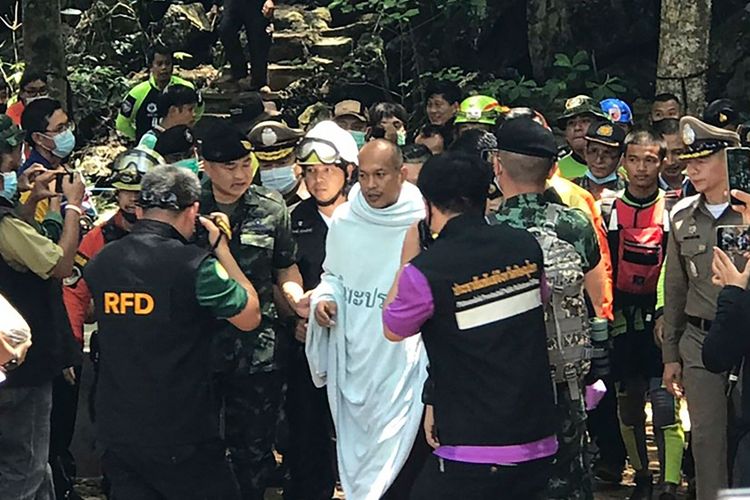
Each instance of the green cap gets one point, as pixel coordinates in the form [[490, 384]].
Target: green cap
[[580, 105], [10, 134]]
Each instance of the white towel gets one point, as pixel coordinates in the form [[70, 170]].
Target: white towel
[[374, 386]]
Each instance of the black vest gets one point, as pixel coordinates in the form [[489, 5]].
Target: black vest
[[40, 303], [154, 340], [486, 341]]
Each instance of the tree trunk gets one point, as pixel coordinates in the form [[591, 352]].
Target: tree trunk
[[43, 47], [549, 33], [683, 51]]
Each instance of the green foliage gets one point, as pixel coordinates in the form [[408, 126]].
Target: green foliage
[[97, 92], [572, 75], [397, 12]]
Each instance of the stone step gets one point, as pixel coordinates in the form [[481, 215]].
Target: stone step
[[289, 45], [354, 30], [280, 75], [334, 48]]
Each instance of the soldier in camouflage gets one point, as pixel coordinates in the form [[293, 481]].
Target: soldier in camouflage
[[262, 243], [522, 163]]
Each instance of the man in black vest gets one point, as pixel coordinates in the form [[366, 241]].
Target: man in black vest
[[156, 297], [481, 316]]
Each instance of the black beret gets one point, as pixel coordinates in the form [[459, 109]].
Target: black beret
[[224, 143], [175, 140], [527, 137]]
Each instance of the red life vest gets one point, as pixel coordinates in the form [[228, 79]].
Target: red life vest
[[641, 247]]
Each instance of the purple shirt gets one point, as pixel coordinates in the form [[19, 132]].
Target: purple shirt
[[404, 317], [412, 306]]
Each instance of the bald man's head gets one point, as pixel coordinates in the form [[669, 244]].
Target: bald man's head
[[381, 173]]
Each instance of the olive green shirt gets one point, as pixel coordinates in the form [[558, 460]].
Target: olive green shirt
[[261, 243], [688, 289], [23, 248]]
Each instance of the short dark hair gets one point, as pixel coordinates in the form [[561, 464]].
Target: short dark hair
[[665, 97], [645, 137], [36, 116], [160, 49], [667, 126], [416, 153], [455, 182], [473, 142], [176, 95], [168, 187], [386, 110], [449, 90], [430, 130], [31, 75]]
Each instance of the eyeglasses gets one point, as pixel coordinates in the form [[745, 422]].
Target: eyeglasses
[[63, 127], [36, 91], [488, 154], [326, 151]]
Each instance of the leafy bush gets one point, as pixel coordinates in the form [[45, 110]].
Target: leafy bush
[[97, 93]]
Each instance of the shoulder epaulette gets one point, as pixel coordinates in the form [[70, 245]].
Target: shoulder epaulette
[[683, 204]]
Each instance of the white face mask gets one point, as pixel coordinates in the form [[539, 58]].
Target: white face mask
[[282, 179]]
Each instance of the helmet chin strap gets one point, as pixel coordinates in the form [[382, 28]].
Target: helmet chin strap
[[331, 201]]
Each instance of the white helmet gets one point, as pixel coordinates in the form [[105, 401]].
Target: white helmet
[[328, 143]]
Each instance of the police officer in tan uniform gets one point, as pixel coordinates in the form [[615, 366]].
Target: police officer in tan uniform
[[273, 145], [690, 303]]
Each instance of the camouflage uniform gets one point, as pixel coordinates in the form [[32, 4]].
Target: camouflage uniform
[[570, 478], [248, 363]]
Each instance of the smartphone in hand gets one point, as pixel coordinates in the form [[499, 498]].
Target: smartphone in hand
[[738, 170]]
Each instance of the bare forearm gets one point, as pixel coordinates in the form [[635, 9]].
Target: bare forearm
[[69, 244]]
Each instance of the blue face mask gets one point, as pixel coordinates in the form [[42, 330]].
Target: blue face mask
[[65, 142], [10, 185], [282, 179], [359, 138], [604, 180]]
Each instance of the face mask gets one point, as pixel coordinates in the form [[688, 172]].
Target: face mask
[[10, 185], [190, 164], [3, 108], [65, 142], [401, 137], [605, 180], [29, 100], [282, 179], [359, 138]]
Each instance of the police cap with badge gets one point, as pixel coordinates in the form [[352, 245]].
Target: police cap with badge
[[273, 141], [604, 132], [703, 140]]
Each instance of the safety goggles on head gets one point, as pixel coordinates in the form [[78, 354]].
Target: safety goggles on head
[[166, 201], [130, 167], [312, 150]]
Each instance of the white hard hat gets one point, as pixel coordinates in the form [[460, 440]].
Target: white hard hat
[[330, 134]]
